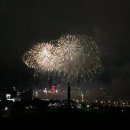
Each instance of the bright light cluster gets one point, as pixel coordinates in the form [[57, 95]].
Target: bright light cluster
[[71, 56]]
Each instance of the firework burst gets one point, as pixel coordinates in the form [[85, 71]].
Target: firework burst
[[73, 57], [42, 57]]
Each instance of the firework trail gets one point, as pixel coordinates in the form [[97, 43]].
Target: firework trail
[[72, 58]]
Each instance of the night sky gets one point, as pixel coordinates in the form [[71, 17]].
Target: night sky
[[24, 24]]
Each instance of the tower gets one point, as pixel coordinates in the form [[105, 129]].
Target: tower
[[69, 95]]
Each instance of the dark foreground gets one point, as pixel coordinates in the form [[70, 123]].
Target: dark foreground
[[37, 109]]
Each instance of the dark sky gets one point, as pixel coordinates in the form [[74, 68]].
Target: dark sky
[[24, 24]]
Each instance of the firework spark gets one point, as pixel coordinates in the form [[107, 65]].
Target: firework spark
[[72, 57]]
